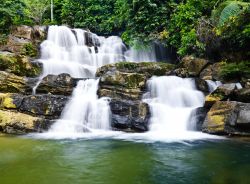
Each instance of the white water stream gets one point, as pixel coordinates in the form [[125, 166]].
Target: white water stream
[[171, 99]]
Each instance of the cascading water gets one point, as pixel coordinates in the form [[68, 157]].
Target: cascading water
[[66, 51], [172, 100], [79, 53], [84, 112]]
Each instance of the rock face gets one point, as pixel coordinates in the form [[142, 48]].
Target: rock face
[[33, 113], [191, 67], [18, 123], [222, 93], [212, 72], [62, 84], [125, 83], [19, 65], [228, 117], [129, 115], [10, 83], [24, 40], [49, 106]]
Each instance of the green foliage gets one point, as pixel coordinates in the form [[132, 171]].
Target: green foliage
[[29, 50], [228, 9], [182, 33], [96, 15], [35, 9], [11, 13], [235, 70]]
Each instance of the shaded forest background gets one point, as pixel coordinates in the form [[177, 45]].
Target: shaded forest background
[[215, 29]]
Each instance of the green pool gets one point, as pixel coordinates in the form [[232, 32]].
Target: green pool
[[109, 161]]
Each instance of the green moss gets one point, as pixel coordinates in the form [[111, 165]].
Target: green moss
[[29, 50], [231, 71], [6, 101], [148, 68], [19, 65]]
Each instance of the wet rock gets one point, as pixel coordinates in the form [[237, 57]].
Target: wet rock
[[129, 115], [222, 93], [191, 66], [19, 65], [50, 106], [197, 118], [62, 84], [19, 123], [202, 85], [228, 117], [91, 39]]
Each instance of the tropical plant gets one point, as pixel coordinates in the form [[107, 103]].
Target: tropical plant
[[228, 9]]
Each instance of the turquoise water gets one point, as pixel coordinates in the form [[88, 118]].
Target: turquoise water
[[108, 161]]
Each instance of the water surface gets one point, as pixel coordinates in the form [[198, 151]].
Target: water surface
[[108, 161]]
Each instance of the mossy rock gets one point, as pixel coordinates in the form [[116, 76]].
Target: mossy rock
[[10, 100], [228, 117], [223, 92], [18, 123], [147, 68], [218, 117], [19, 65], [10, 83], [126, 80], [192, 66]]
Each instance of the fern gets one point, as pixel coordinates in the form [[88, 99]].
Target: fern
[[233, 9], [228, 9]]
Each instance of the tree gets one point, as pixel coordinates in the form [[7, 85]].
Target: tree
[[11, 13], [35, 9]]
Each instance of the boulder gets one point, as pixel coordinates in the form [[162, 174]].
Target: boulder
[[242, 95], [23, 31], [10, 100], [25, 40], [19, 65], [129, 115], [202, 85], [119, 92], [212, 72], [10, 83], [50, 106], [228, 117], [125, 80], [146, 68], [223, 92], [62, 84], [191, 66], [18, 123]]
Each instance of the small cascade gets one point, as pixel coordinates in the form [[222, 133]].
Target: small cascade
[[145, 54], [79, 53], [172, 100], [84, 112], [212, 85]]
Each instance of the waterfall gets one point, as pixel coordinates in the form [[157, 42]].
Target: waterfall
[[79, 53], [172, 100], [84, 112]]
